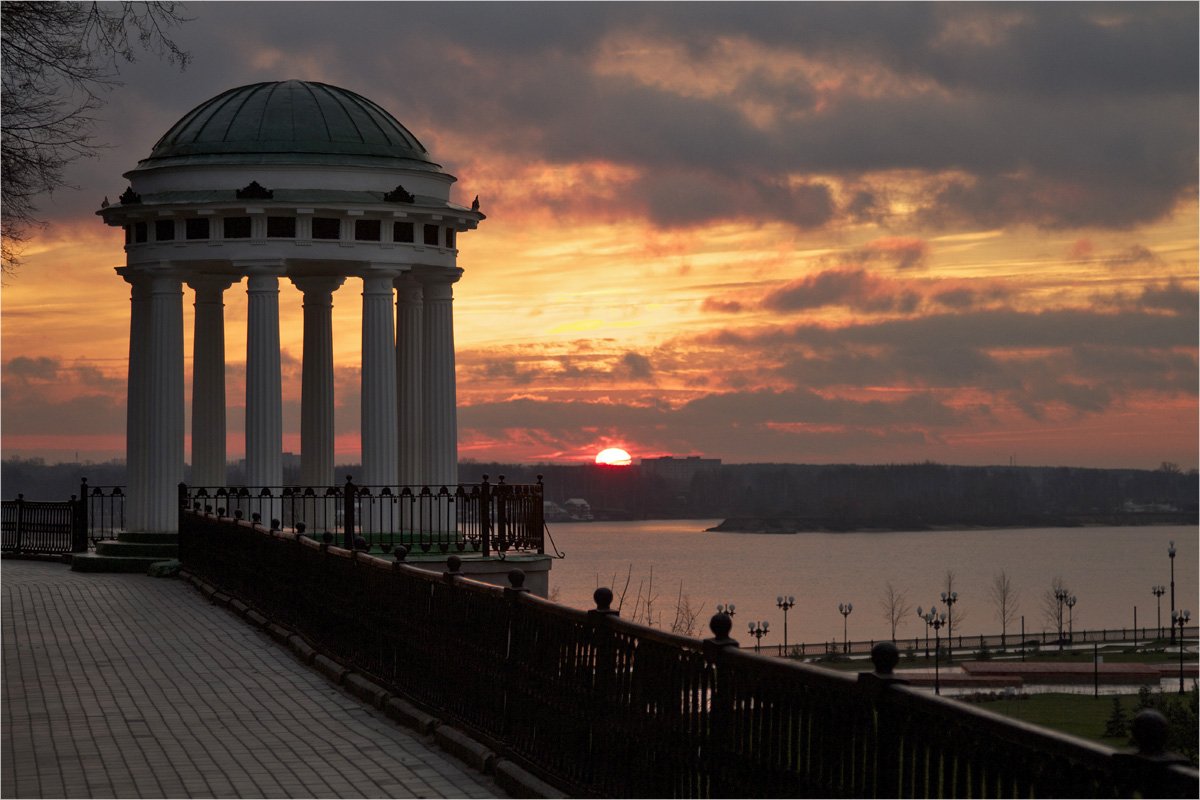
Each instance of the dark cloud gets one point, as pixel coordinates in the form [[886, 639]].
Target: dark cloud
[[854, 288], [1058, 116]]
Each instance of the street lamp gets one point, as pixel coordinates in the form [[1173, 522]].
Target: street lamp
[[1181, 619], [1071, 601], [935, 621], [759, 630], [844, 609], [1061, 596], [1171, 553], [925, 619], [1158, 592], [785, 603], [727, 608], [949, 598]]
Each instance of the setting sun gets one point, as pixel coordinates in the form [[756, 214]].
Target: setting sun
[[613, 457]]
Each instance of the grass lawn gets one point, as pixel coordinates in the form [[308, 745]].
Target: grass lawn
[[1078, 714]]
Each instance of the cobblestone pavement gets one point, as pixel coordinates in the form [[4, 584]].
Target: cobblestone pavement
[[130, 686]]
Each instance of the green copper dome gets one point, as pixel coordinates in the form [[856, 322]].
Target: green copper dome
[[288, 122]]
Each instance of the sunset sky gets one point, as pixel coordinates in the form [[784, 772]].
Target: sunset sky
[[782, 232]]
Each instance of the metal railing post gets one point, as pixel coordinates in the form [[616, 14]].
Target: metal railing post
[[502, 494], [885, 782], [20, 519], [485, 516], [539, 516], [348, 497], [79, 522]]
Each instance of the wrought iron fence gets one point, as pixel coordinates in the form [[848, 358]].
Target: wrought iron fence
[[103, 509], [604, 707], [485, 518], [31, 527]]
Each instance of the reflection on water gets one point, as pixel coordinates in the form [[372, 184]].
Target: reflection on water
[[1110, 570]]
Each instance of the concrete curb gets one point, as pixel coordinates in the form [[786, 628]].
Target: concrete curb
[[330, 668], [256, 619], [520, 782], [410, 716], [277, 632], [366, 689], [303, 650], [459, 744]]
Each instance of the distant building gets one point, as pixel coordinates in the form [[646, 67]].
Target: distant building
[[578, 510], [678, 471]]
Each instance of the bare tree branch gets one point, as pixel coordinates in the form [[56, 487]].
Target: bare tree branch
[[58, 61]]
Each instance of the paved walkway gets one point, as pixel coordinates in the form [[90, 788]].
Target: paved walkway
[[130, 686]]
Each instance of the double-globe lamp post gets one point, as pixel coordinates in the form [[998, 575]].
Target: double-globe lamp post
[[949, 598], [1071, 601], [1158, 592], [725, 608], [844, 609], [786, 604], [1180, 618], [935, 620]]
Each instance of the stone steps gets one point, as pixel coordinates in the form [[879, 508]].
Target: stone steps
[[129, 552]]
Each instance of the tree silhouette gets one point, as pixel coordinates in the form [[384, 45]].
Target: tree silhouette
[[58, 60]]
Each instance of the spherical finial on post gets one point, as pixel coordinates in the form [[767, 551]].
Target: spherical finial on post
[[516, 581], [720, 624], [885, 656], [603, 598], [1149, 730], [361, 544], [300, 528], [401, 552], [453, 565]]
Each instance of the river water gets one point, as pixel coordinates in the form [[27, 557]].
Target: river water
[[1109, 570]]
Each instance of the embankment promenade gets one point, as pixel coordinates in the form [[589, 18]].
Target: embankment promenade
[[131, 686]]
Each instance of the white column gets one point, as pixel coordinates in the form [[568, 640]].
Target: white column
[[208, 379], [408, 380], [135, 419], [316, 383], [264, 387], [379, 438], [439, 413], [163, 446]]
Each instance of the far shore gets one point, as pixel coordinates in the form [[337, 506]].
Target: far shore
[[790, 525]]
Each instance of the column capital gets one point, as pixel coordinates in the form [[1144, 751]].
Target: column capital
[[378, 282], [144, 273], [209, 286], [317, 284], [439, 276], [262, 283]]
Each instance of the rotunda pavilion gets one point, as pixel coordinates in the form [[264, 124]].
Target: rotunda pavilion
[[308, 183]]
